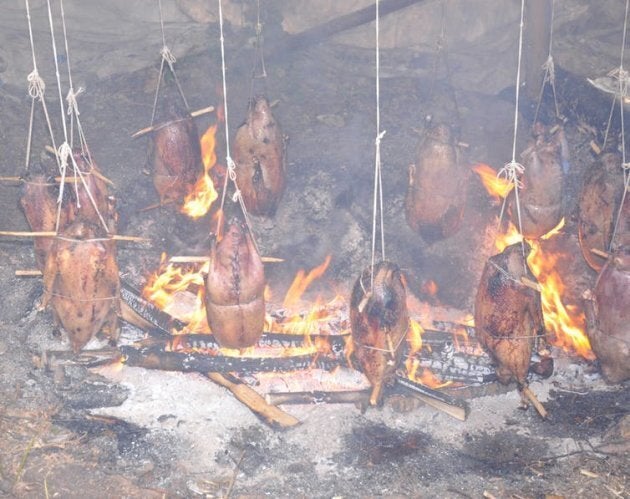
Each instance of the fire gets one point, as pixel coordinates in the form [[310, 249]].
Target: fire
[[497, 187], [172, 284], [566, 323], [203, 194], [430, 287], [303, 281]]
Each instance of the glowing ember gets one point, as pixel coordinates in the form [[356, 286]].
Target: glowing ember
[[430, 287], [497, 187], [303, 281], [200, 199]]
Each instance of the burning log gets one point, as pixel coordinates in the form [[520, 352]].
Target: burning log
[[142, 313], [87, 358], [541, 195], [156, 358], [39, 202], [508, 316], [436, 196], [259, 154], [598, 205], [175, 156], [379, 322], [234, 288], [438, 400], [255, 402], [81, 283]]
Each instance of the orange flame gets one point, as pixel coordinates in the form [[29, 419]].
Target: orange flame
[[198, 202], [303, 281], [566, 323], [497, 187]]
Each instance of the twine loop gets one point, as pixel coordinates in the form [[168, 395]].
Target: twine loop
[[511, 172], [168, 56], [71, 99], [36, 85]]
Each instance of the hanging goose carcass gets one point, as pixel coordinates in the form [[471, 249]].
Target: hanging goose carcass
[[608, 311], [598, 205], [259, 154], [39, 202], [379, 322], [81, 283], [175, 156], [235, 284], [508, 315], [541, 194], [436, 195]]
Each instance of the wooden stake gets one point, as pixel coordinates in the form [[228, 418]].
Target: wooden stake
[[596, 149], [531, 396], [137, 239], [269, 413], [151, 128], [531, 284], [205, 259], [28, 273], [11, 179]]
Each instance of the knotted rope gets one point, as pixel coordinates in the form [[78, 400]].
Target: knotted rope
[[549, 68]]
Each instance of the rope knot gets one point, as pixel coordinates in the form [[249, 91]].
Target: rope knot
[[168, 56], [379, 137], [550, 70], [36, 85], [511, 172], [625, 166], [71, 99], [624, 79]]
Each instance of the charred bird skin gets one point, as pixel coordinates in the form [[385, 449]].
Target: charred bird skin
[[379, 321], [235, 283], [81, 283], [508, 314], [260, 158], [436, 195]]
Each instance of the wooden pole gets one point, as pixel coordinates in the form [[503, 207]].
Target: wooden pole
[[537, 33], [531, 396]]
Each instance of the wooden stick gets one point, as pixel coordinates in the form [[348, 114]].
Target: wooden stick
[[269, 413], [11, 179], [28, 273], [600, 253], [156, 205], [531, 396], [94, 171], [85, 358], [151, 128], [205, 259], [531, 284], [137, 239], [439, 400], [21, 233], [319, 397]]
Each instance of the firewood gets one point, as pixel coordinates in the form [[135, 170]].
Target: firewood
[[86, 358], [319, 397], [438, 400], [269, 413], [193, 114], [535, 402], [148, 312]]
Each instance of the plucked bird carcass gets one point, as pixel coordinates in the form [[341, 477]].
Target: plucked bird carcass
[[89, 199], [608, 310], [508, 316], [81, 283], [543, 180], [39, 203], [379, 321], [235, 283], [175, 155], [436, 194], [259, 155], [598, 205]]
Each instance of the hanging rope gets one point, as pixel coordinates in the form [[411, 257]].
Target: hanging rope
[[231, 166], [513, 170], [64, 152], [377, 205], [36, 90], [168, 58], [624, 79], [550, 71], [259, 56]]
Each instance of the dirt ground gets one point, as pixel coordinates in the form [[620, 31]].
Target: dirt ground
[[178, 435]]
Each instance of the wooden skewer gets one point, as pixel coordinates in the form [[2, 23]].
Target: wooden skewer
[[204, 259], [193, 114], [599, 252], [596, 149], [531, 284], [28, 273], [115, 237], [11, 179], [531, 396]]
